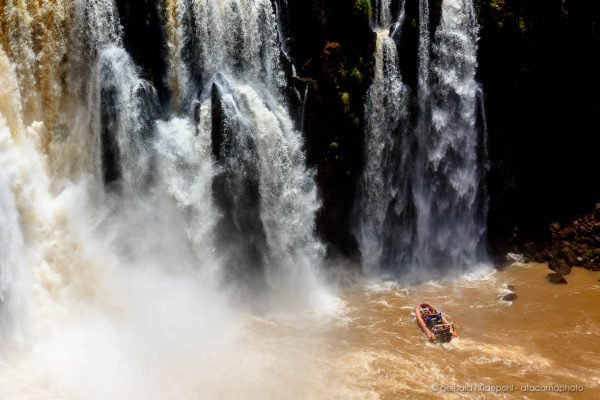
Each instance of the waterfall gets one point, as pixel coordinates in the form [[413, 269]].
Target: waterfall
[[18, 36], [386, 108], [423, 58], [23, 206], [230, 53], [423, 202], [382, 15], [383, 186], [123, 110], [34, 32], [284, 22], [449, 200], [8, 236], [397, 26], [212, 187], [233, 37], [11, 240], [10, 231], [303, 115], [127, 224], [11, 249]]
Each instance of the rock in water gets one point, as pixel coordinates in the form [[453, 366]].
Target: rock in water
[[556, 278], [509, 297], [560, 266]]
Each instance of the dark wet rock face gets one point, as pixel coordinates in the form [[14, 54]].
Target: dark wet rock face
[[145, 41], [111, 170], [331, 45], [537, 64]]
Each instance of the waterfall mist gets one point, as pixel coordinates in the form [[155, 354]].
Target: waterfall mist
[[138, 238]]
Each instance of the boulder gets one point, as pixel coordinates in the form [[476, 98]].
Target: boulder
[[509, 297], [560, 266], [568, 256], [564, 268], [532, 252], [556, 278]]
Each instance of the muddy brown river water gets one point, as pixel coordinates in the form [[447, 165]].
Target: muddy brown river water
[[544, 345]]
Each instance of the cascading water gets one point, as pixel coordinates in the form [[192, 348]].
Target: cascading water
[[382, 14], [284, 16], [9, 237], [11, 248], [123, 111], [236, 38], [423, 59], [396, 30], [264, 191], [382, 189], [422, 204], [124, 236], [105, 96], [449, 193], [386, 108]]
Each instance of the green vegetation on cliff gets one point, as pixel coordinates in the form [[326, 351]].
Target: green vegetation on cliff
[[363, 7]]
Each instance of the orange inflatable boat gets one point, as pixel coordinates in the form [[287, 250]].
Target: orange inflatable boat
[[434, 324]]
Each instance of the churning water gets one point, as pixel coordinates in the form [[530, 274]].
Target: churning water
[[168, 251], [134, 240]]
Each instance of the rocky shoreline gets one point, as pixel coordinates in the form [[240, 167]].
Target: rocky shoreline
[[573, 244]]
